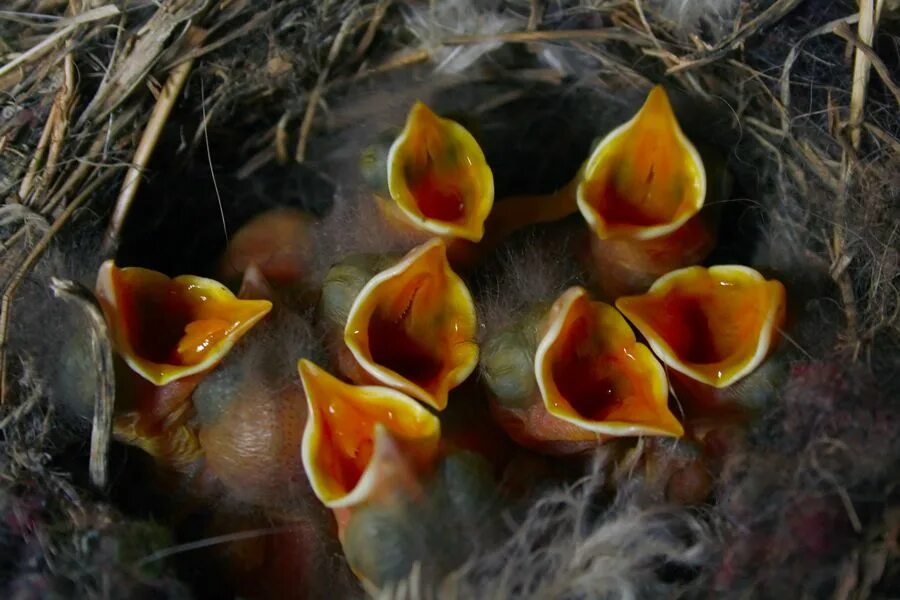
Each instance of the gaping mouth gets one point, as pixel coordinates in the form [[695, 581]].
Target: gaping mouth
[[715, 325], [166, 329], [353, 433], [438, 176], [412, 327], [592, 372], [645, 179]]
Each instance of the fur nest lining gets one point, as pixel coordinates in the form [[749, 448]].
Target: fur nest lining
[[115, 109]]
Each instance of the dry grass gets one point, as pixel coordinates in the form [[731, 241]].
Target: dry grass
[[89, 90]]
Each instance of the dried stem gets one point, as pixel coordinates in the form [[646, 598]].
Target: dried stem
[[841, 259], [25, 267], [312, 100], [164, 104], [38, 50], [101, 353]]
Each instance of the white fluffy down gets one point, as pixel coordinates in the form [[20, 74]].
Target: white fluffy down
[[572, 544], [717, 16], [438, 20]]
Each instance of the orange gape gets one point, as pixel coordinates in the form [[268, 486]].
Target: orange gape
[[412, 327], [437, 194], [645, 179], [592, 379], [438, 179], [169, 332], [593, 373], [351, 433], [163, 324], [641, 192], [599, 380], [390, 336], [166, 329], [715, 325]]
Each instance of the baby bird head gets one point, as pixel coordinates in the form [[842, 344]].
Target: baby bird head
[[278, 242], [168, 334], [437, 179], [362, 441], [570, 375], [644, 179], [714, 325], [410, 326]]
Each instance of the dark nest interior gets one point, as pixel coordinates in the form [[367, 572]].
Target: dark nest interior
[[150, 131]]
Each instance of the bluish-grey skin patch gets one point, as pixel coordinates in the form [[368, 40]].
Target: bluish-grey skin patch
[[343, 283], [74, 381], [758, 390], [456, 515], [373, 163], [507, 360]]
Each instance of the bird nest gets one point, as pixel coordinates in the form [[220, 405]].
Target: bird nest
[[150, 132]]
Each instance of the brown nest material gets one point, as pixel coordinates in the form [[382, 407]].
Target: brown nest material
[[142, 129]]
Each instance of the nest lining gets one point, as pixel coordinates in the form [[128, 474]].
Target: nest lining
[[277, 100]]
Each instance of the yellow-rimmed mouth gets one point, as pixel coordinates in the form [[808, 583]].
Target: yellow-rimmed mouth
[[438, 176], [715, 325], [593, 373], [412, 326], [645, 179], [357, 437], [167, 329]]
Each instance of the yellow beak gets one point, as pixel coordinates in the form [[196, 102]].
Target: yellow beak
[[412, 326], [438, 177], [360, 440], [715, 325], [167, 329], [645, 179], [593, 373]]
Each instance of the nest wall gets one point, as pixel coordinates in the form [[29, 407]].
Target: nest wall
[[152, 131]]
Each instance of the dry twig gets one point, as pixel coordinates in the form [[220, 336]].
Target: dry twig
[[101, 351], [164, 104]]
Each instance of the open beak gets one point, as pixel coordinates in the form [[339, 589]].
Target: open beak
[[593, 373], [412, 326], [645, 179], [714, 325], [438, 177], [360, 439], [167, 329]]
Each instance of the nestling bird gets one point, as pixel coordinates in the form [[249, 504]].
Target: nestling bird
[[433, 178], [711, 326], [407, 324], [168, 333], [641, 191], [570, 375]]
